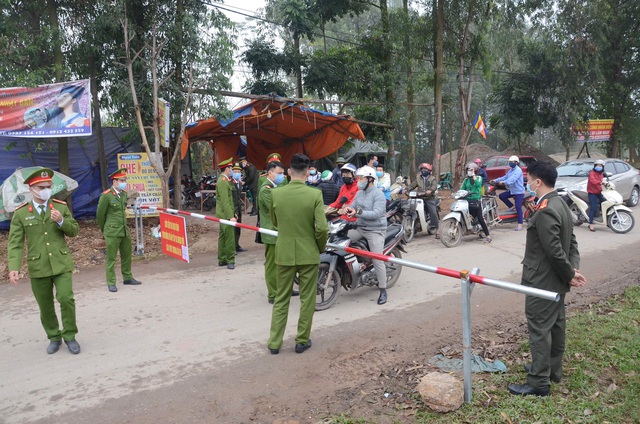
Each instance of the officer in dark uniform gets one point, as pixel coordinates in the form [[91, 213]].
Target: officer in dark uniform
[[551, 262], [112, 220], [225, 210], [251, 175], [45, 222], [236, 189]]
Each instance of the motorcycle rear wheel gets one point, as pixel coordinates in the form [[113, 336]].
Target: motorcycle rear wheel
[[409, 225], [622, 225], [575, 214], [450, 232], [393, 270], [209, 203], [327, 296]]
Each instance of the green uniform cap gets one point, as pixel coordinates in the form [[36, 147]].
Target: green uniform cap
[[120, 173], [226, 163], [41, 175]]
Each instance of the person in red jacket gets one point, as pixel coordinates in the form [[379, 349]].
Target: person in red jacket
[[348, 190], [594, 188]]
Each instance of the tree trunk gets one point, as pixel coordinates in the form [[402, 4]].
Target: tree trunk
[[296, 45], [389, 98], [410, 97], [177, 168], [438, 84], [97, 121]]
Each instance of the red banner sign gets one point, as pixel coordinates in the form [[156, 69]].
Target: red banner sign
[[599, 130], [174, 236]]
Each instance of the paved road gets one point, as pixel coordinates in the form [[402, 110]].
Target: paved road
[[188, 318]]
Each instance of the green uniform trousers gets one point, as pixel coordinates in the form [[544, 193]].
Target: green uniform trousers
[[270, 276], [123, 245], [547, 324], [227, 244], [43, 291], [308, 278]]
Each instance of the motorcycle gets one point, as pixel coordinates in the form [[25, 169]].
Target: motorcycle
[[415, 218], [208, 182], [528, 205], [618, 217], [343, 269], [459, 222]]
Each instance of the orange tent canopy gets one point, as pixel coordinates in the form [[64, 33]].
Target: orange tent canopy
[[273, 125]]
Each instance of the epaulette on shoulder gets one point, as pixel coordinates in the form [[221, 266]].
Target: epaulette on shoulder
[[59, 201], [544, 204], [24, 204], [106, 191]]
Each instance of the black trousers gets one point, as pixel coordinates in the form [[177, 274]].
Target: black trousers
[[475, 209]]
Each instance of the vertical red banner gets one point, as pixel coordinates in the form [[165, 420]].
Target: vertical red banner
[[174, 236]]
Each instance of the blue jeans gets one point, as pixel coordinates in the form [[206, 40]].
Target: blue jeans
[[518, 198], [594, 204]]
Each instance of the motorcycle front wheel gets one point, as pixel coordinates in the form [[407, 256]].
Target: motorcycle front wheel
[[409, 225], [622, 223], [327, 292], [450, 232], [393, 270]]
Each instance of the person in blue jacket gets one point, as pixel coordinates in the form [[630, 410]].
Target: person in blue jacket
[[514, 182]]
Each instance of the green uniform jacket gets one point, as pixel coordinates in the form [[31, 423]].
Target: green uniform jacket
[[264, 209], [551, 252], [224, 198], [424, 184], [111, 214], [48, 253], [251, 175], [297, 212], [237, 200]]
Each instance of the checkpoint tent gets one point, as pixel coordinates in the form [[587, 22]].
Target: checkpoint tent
[[273, 125]]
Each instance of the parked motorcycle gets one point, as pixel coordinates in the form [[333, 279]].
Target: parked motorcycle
[[528, 205], [208, 182], [618, 217], [459, 221], [342, 269]]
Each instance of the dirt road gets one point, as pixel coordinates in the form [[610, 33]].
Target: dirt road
[[189, 344]]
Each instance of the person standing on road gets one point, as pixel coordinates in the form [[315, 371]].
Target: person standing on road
[[369, 208], [112, 220], [45, 222], [551, 262], [297, 212], [473, 184], [594, 189], [251, 181], [236, 189], [514, 182], [225, 210]]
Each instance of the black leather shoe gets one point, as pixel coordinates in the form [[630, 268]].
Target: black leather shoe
[[132, 282], [73, 346], [222, 264], [113, 289], [295, 293], [240, 249], [231, 266], [300, 348], [525, 389], [274, 351], [383, 297], [527, 369], [53, 347]]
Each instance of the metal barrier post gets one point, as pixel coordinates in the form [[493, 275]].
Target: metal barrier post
[[467, 289], [137, 217]]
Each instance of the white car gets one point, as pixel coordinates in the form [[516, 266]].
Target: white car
[[573, 175]]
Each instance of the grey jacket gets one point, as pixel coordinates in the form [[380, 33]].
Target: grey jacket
[[374, 208]]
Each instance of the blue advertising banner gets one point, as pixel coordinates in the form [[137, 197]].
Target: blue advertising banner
[[46, 111]]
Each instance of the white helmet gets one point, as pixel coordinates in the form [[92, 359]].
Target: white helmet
[[366, 171], [514, 158], [472, 165], [599, 162]]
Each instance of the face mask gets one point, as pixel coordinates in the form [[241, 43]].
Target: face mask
[[313, 172], [529, 188], [122, 186], [379, 174], [237, 176], [598, 168], [375, 163], [425, 173], [43, 194], [512, 164], [470, 173], [347, 180], [363, 184], [279, 179]]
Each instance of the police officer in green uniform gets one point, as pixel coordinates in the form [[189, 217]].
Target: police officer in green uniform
[[263, 177], [225, 210], [45, 222], [551, 261], [112, 220], [236, 189], [297, 212]]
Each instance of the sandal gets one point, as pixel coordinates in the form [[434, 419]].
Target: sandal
[[488, 240], [518, 228], [437, 236], [592, 228]]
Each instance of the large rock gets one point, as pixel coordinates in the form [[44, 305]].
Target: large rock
[[441, 392]]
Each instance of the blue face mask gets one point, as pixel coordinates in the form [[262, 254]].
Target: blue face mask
[[598, 168], [379, 174], [237, 176], [313, 172], [122, 186], [512, 164], [279, 179], [375, 163]]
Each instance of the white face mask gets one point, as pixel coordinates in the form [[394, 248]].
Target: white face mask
[[43, 194], [470, 173]]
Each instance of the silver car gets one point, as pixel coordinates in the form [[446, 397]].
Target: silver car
[[573, 175]]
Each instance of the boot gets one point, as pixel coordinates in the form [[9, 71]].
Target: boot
[[383, 297]]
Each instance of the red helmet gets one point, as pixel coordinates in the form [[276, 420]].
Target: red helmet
[[477, 161], [425, 166]]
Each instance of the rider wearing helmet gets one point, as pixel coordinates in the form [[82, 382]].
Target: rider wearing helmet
[[481, 172], [369, 206], [329, 188], [513, 180], [427, 185], [594, 189], [349, 188], [473, 184]]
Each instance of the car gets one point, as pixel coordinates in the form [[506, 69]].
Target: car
[[573, 175], [497, 166]]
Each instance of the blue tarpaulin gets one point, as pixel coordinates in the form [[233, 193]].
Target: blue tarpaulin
[[83, 162]]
